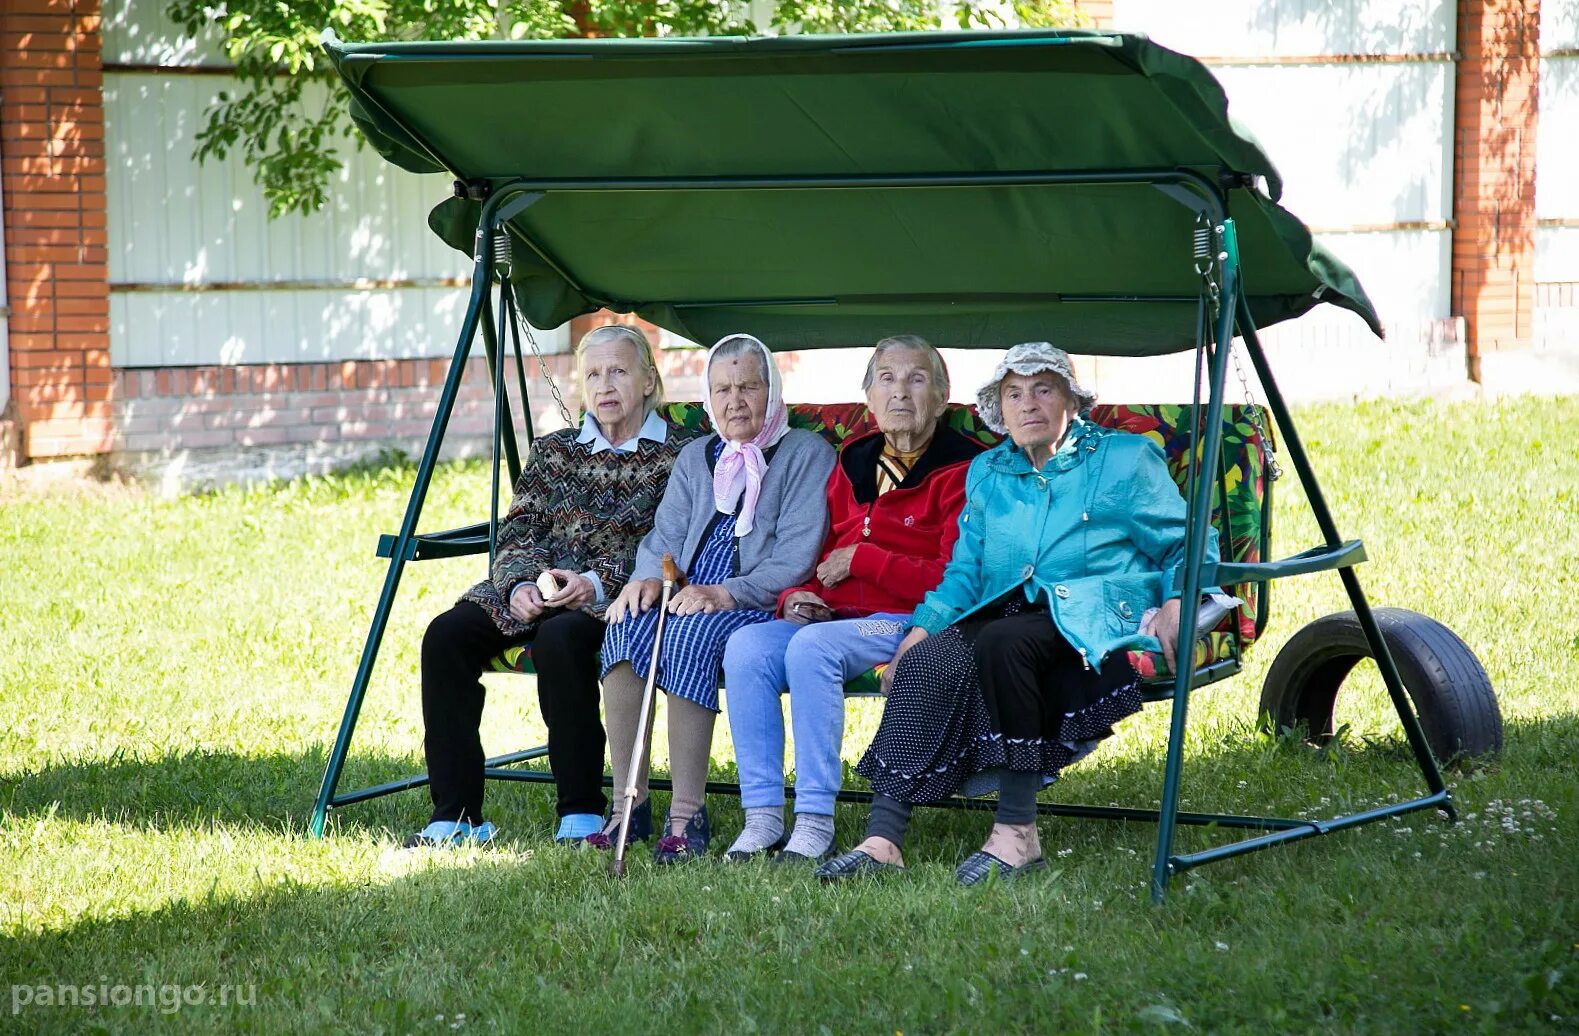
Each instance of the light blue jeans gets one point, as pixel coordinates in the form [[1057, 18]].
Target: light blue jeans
[[812, 662]]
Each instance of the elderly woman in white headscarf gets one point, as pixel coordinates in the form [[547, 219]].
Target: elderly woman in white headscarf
[[744, 516], [1068, 554]]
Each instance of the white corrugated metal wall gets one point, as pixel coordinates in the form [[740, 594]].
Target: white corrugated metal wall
[[1557, 177], [1353, 99], [198, 272]]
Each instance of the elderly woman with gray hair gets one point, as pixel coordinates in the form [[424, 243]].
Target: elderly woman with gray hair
[[1015, 666], [743, 516], [894, 501], [584, 500]]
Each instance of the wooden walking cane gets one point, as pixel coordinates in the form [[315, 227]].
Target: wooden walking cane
[[671, 580]]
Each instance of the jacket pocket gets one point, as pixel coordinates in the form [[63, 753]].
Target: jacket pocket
[[1124, 600]]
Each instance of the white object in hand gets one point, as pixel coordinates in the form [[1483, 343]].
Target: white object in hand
[[547, 585]]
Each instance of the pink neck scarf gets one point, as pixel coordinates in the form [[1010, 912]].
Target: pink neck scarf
[[738, 474]]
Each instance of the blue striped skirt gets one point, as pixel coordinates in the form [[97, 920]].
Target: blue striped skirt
[[692, 658]]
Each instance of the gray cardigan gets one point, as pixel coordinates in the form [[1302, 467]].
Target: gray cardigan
[[791, 520]]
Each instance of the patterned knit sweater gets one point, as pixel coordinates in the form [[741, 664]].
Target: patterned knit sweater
[[576, 510]]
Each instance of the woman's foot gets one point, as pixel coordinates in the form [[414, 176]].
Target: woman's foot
[[1014, 844], [763, 834], [640, 828], [873, 857], [812, 838], [687, 839], [882, 850]]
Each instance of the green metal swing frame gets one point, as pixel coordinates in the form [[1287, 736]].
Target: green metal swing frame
[[500, 235]]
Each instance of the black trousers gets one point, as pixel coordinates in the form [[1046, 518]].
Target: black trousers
[[455, 652], [1031, 679]]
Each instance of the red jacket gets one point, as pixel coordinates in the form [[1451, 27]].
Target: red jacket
[[903, 538]]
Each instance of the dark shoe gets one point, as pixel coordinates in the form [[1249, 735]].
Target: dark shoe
[[789, 858], [691, 844], [980, 866], [856, 863], [639, 831], [775, 850]]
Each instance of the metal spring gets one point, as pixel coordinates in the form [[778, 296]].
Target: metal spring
[[1202, 238], [501, 246]]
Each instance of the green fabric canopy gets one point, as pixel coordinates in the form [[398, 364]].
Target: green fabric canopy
[[599, 122]]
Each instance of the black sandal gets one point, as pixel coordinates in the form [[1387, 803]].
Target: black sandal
[[857, 863], [982, 866]]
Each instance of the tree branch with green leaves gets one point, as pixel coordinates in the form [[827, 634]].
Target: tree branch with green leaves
[[288, 120]]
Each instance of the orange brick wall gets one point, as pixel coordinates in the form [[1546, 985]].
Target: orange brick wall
[[52, 160], [165, 410], [1099, 11], [1495, 119]]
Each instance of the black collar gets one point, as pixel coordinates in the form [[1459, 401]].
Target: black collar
[[859, 460]]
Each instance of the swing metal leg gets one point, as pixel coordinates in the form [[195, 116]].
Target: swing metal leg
[[397, 560], [500, 206], [1351, 582], [1197, 529]]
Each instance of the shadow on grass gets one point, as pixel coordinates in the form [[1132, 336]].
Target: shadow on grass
[[504, 935], [277, 791], [272, 791]]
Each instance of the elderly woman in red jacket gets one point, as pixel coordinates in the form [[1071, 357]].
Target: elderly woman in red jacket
[[894, 500]]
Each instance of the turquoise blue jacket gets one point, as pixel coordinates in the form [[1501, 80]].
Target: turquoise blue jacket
[[1098, 534]]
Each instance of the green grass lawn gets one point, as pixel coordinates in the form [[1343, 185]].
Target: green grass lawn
[[173, 672]]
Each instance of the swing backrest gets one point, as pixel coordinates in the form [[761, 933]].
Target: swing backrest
[[1243, 525]]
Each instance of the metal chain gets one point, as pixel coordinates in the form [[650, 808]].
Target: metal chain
[[553, 386], [1274, 471]]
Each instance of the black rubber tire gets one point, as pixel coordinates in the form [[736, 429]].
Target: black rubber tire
[[1448, 685]]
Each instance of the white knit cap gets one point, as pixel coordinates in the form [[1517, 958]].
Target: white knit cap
[[1029, 358]]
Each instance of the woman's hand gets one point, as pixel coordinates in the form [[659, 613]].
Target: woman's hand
[[575, 590], [835, 568], [914, 637], [1165, 627], [526, 602], [800, 616], [705, 600], [637, 596]]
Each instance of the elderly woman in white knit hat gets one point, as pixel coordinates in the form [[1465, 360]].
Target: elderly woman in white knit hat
[[1015, 666]]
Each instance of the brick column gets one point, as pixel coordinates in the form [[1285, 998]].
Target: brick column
[[1495, 114], [52, 160]]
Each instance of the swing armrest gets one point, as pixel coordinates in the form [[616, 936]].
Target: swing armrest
[[451, 543], [1316, 559]]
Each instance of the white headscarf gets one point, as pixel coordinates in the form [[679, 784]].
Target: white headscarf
[[742, 465]]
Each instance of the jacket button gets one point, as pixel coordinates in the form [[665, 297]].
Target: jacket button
[[1124, 609], [1027, 572], [1062, 591], [1041, 481]]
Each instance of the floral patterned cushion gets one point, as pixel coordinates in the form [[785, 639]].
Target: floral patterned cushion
[[1166, 424]]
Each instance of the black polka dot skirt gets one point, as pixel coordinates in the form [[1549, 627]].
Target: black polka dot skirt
[[936, 737]]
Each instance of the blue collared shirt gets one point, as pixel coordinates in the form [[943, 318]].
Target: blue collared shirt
[[653, 428], [591, 432]]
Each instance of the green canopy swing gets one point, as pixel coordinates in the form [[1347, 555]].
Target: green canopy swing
[[978, 189]]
